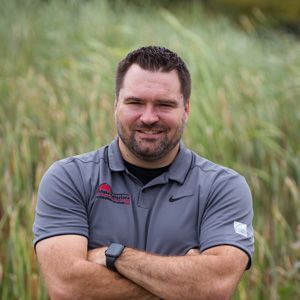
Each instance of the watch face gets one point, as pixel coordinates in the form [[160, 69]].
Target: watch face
[[114, 250]]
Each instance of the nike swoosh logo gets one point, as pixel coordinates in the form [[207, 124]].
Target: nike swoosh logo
[[176, 198]]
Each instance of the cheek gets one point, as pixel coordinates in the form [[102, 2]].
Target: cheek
[[171, 120], [126, 117]]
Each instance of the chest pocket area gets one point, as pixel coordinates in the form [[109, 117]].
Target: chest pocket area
[[111, 222], [173, 225]]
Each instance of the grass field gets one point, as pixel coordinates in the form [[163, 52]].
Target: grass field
[[57, 64]]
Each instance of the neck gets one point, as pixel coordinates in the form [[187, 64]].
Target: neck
[[159, 163]]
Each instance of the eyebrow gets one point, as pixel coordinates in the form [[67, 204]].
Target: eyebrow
[[167, 101], [133, 98]]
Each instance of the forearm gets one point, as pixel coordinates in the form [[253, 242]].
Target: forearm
[[87, 280], [168, 277], [180, 277], [71, 273]]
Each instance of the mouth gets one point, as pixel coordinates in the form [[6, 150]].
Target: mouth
[[152, 132]]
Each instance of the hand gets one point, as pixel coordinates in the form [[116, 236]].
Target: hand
[[193, 251], [97, 256]]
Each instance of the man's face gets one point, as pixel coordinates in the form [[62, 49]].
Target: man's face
[[150, 115]]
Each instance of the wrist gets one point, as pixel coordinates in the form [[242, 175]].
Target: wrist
[[97, 256], [121, 258], [112, 254]]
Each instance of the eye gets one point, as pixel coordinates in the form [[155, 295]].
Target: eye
[[167, 104], [133, 102]]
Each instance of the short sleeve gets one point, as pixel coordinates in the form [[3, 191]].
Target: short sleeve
[[227, 219], [60, 205]]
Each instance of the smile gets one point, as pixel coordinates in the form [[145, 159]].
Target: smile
[[150, 131]]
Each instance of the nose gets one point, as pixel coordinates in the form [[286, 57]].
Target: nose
[[149, 116]]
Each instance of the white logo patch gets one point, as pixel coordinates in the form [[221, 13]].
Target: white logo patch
[[240, 228]]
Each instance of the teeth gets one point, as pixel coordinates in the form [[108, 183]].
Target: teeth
[[150, 131]]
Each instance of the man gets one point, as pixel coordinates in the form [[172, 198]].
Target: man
[[144, 217]]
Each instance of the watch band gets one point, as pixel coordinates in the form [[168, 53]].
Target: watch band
[[110, 263], [112, 253]]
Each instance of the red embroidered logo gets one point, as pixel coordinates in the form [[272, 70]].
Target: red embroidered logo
[[104, 192]]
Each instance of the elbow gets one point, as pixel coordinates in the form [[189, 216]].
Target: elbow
[[64, 286], [61, 292], [58, 294], [217, 291], [61, 295], [223, 291]]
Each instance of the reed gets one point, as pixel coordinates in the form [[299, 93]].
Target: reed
[[58, 60]]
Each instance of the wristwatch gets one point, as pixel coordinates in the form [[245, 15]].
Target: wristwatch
[[112, 253]]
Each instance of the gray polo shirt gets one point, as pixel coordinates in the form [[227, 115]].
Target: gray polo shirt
[[196, 203]]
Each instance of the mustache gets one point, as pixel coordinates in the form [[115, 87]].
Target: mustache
[[150, 127]]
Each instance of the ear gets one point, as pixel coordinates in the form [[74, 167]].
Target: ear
[[187, 108], [115, 108]]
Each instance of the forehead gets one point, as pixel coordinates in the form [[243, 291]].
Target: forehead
[[140, 81]]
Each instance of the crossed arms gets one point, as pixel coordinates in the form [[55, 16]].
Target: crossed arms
[[72, 272]]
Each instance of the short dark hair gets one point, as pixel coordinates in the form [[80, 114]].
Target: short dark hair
[[154, 58]]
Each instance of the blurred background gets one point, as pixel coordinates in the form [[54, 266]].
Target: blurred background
[[57, 66]]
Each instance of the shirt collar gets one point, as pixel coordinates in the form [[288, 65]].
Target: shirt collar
[[181, 165], [177, 171], [115, 158]]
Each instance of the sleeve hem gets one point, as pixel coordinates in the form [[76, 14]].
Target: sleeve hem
[[37, 240]]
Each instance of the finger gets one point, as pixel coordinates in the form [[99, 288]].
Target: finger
[[193, 252]]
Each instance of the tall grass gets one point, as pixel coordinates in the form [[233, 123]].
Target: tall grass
[[57, 64]]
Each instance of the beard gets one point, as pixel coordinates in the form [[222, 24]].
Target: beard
[[153, 148]]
